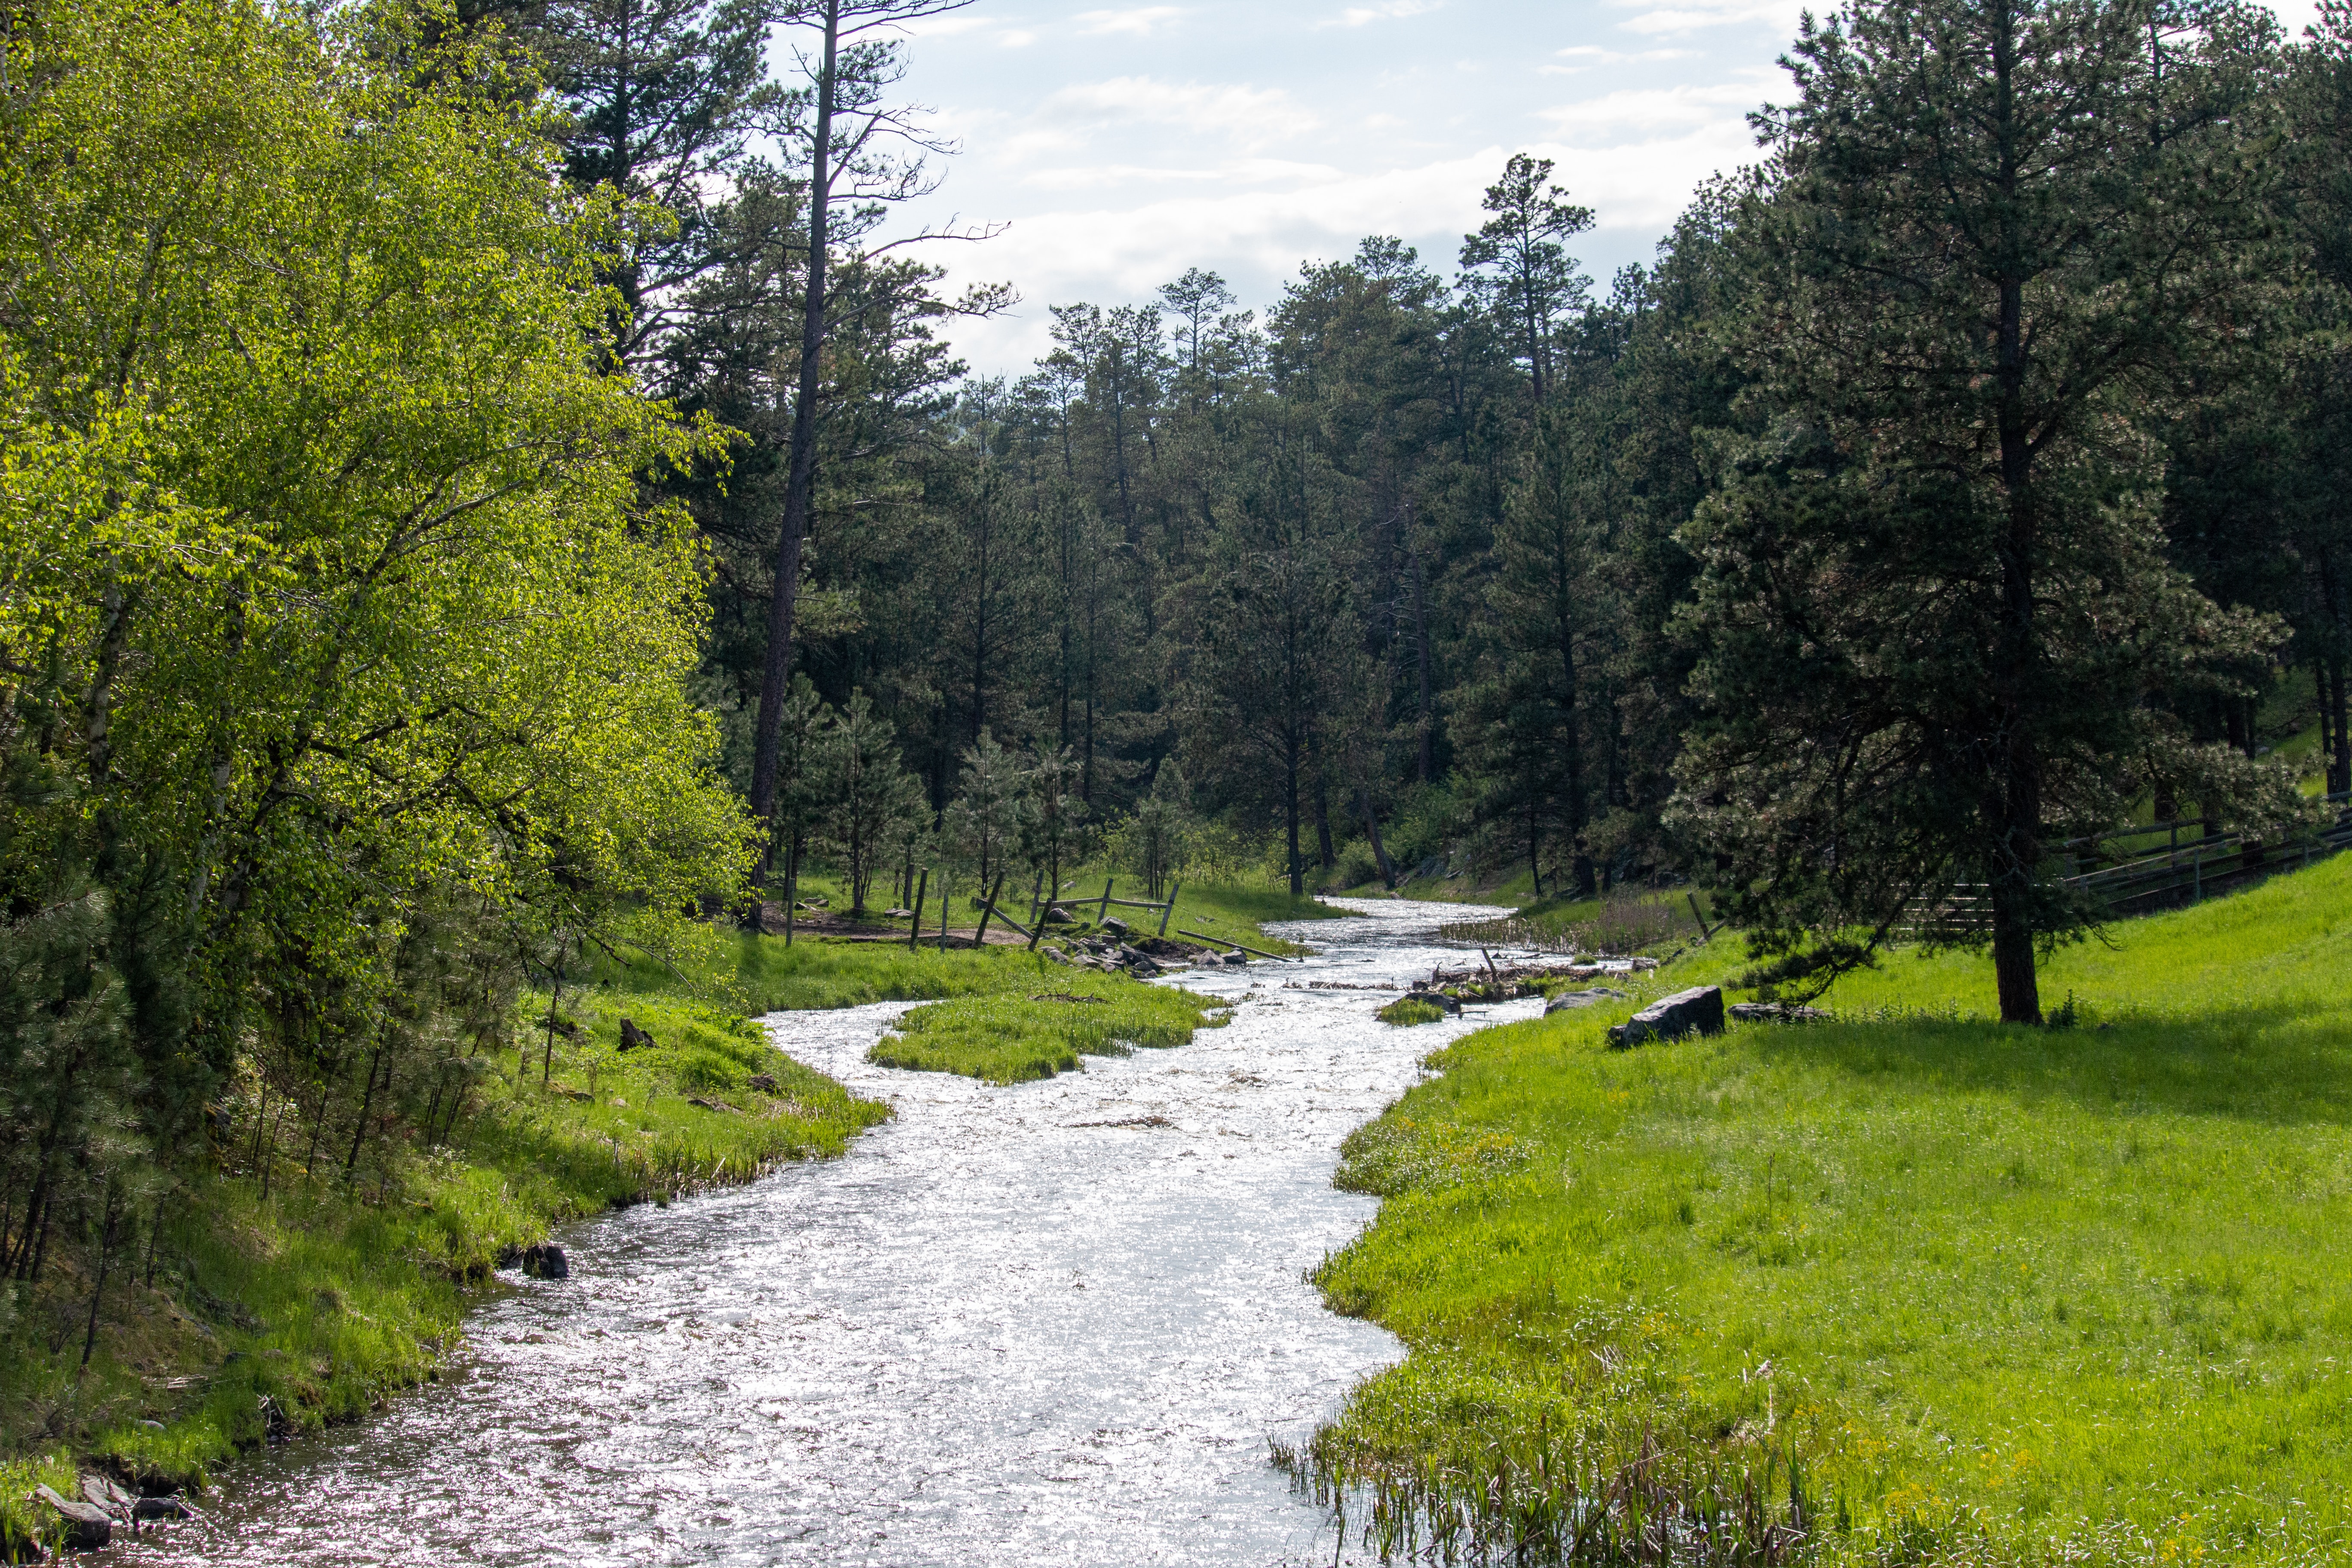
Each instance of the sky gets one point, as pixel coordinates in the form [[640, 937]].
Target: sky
[[1119, 145]]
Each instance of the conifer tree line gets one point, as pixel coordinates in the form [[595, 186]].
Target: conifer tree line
[[1955, 482], [489, 483]]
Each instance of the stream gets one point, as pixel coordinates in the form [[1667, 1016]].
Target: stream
[[1052, 1323]]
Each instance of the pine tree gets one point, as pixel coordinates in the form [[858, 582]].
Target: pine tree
[[1936, 591]]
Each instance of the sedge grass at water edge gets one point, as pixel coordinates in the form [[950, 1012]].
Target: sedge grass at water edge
[[1997, 1295]]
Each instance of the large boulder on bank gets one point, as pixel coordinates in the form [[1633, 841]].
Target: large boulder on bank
[[1698, 1011]]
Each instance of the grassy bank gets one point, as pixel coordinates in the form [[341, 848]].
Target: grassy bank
[[1905, 1288], [290, 1288], [287, 1291]]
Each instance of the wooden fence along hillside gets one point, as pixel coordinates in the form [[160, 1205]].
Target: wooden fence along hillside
[[2142, 880]]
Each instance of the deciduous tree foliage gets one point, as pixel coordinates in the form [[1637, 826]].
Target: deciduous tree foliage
[[329, 615]]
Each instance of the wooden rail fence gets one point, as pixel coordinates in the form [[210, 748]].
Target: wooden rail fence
[[2140, 883]]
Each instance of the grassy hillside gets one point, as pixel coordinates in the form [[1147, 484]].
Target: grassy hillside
[[1963, 1293]]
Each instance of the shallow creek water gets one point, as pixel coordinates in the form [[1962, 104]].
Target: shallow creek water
[[1017, 1325]]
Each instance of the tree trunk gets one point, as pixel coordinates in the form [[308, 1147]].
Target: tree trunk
[[1425, 758], [1571, 731], [2012, 958], [2015, 852], [801, 481], [980, 630], [367, 1103], [792, 885], [1323, 820], [105, 1256], [1372, 833], [2339, 774], [1290, 813]]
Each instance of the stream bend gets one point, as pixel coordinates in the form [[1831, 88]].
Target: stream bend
[[1050, 1324]]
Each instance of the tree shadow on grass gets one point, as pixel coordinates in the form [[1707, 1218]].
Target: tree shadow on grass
[[2275, 1065]]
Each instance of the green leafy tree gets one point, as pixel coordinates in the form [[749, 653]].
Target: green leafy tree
[[868, 794], [328, 598], [799, 810], [1534, 281], [1155, 836], [983, 822], [1051, 815]]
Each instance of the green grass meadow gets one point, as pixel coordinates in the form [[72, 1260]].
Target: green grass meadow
[[1965, 1293]]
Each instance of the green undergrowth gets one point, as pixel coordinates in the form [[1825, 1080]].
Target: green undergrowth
[[1910, 1286], [1410, 1010], [278, 1312], [1019, 1037]]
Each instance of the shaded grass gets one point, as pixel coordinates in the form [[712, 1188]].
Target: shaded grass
[[2002, 1295], [1015, 1039]]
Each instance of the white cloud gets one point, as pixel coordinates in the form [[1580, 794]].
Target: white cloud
[[1356, 15], [1234, 172], [1648, 111], [1017, 39], [1236, 113], [1780, 15], [1140, 20], [1600, 55], [947, 27]]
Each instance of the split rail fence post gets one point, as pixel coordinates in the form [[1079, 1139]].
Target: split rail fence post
[[1036, 926], [979, 937], [1168, 907], [1106, 901], [944, 902], [915, 927]]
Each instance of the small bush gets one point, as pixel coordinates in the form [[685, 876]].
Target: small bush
[[1411, 1010], [707, 1072]]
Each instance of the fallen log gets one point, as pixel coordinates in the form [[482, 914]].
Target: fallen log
[[1203, 936]]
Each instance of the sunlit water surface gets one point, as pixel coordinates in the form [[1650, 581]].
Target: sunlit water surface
[[1002, 1329]]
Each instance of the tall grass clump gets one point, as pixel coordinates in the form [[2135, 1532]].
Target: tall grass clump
[[1620, 924]]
